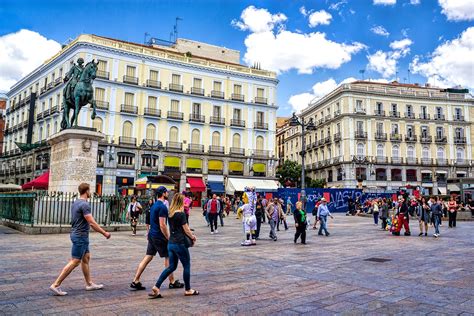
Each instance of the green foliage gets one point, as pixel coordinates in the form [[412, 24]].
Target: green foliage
[[289, 170], [317, 183]]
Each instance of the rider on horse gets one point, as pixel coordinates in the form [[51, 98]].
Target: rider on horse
[[73, 76]]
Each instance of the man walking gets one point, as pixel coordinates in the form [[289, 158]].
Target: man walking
[[258, 214], [157, 240], [81, 221], [323, 213], [436, 213], [213, 210], [273, 214]]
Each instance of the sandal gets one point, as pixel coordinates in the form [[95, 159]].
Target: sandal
[[153, 295], [191, 294]]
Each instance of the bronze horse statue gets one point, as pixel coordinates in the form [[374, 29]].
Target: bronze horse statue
[[78, 92]]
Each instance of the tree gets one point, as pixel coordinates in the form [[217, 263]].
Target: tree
[[289, 171], [317, 183]]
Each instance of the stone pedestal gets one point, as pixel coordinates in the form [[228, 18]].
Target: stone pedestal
[[73, 159]]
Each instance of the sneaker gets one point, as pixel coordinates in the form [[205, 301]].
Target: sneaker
[[176, 285], [320, 234], [137, 286], [57, 291], [216, 231], [435, 235], [94, 287], [327, 234], [275, 239], [420, 234], [426, 234], [212, 233]]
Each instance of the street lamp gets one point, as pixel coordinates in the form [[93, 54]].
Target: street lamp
[[309, 126]]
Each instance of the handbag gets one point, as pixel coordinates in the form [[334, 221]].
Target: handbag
[[188, 242]]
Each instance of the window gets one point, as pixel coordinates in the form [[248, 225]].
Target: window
[[154, 75], [338, 150], [360, 149], [152, 102], [338, 107], [360, 126], [379, 106], [217, 86], [236, 115], [174, 106], [195, 136], [196, 109], [410, 152], [260, 117], [216, 111], [259, 143], [60, 75], [410, 131], [47, 130], [394, 108], [425, 153], [216, 139], [129, 98], [423, 111], [260, 93], [409, 110], [58, 99], [439, 112], [127, 129], [102, 65], [236, 140], [424, 131], [359, 105], [173, 135], [439, 132], [175, 79], [197, 83], [380, 150], [150, 132], [395, 151], [97, 124], [338, 127], [460, 154], [237, 89], [131, 71], [457, 114], [459, 133], [56, 127], [99, 94], [440, 153], [379, 128], [394, 128]]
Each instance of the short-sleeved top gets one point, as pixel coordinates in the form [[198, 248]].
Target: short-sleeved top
[[187, 204], [158, 210], [79, 225], [176, 228]]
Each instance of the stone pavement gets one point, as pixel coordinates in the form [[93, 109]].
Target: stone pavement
[[327, 276]]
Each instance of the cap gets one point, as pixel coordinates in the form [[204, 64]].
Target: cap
[[323, 199], [161, 190]]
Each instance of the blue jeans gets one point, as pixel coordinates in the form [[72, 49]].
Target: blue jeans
[[437, 221], [376, 218], [324, 224], [177, 252]]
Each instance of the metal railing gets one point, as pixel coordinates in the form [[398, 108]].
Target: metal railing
[[237, 97], [337, 136], [126, 108], [380, 136], [153, 84], [379, 113], [174, 146], [102, 105], [395, 137], [441, 139], [175, 87], [237, 151], [439, 117], [217, 94], [217, 120], [394, 114], [130, 79], [193, 117], [216, 149], [360, 135], [459, 140], [239, 123], [426, 139], [261, 153], [195, 148], [123, 140], [197, 91], [260, 125], [425, 116], [175, 115], [152, 112], [409, 115], [102, 74], [261, 100]]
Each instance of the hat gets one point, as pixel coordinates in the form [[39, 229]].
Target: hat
[[323, 200], [161, 190]]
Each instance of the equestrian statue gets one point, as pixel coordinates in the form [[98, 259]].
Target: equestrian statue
[[78, 91]]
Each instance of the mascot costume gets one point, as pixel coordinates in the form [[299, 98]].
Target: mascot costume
[[248, 214]]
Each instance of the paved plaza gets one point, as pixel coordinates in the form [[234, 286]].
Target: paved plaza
[[327, 276]]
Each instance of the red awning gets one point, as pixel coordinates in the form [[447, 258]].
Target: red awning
[[196, 184], [38, 183]]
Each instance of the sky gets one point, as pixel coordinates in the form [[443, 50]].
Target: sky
[[313, 45]]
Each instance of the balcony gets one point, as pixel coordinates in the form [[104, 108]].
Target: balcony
[[461, 162], [440, 117], [442, 161], [127, 141], [458, 118], [410, 115], [58, 81], [261, 100], [237, 151], [441, 139], [459, 140], [237, 97], [327, 140], [216, 149], [360, 135], [337, 136], [379, 113], [359, 110], [54, 109], [130, 80], [411, 161], [397, 160], [193, 117], [410, 138], [50, 86], [427, 139], [196, 148], [394, 137], [394, 114], [380, 136], [258, 153], [327, 117], [175, 115], [426, 161], [424, 116], [260, 125], [153, 84], [42, 90], [152, 112], [217, 120], [381, 159], [102, 105], [174, 146], [237, 123], [197, 91], [217, 94], [175, 87], [102, 74], [337, 113], [39, 116], [125, 166], [126, 108]]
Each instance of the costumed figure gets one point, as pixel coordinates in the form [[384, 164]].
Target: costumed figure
[[248, 214]]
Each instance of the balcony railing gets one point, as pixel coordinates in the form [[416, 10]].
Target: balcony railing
[[125, 166], [127, 140], [394, 114], [461, 162], [261, 100], [58, 81], [381, 159], [337, 113], [458, 118], [102, 74], [397, 160], [441, 139], [359, 110], [426, 139], [153, 84], [410, 138], [411, 160], [459, 140], [175, 87], [379, 113], [193, 117], [216, 149], [175, 115], [152, 112], [441, 161], [426, 161], [237, 151], [260, 125], [380, 136], [327, 140], [410, 115], [174, 146], [337, 136], [130, 80], [439, 117], [395, 137], [217, 94], [102, 105], [54, 109], [126, 108], [360, 135], [261, 153], [239, 123], [197, 91], [424, 116], [195, 148], [237, 97], [217, 120]]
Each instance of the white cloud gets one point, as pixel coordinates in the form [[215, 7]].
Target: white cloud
[[258, 20], [385, 63], [20, 53], [303, 11], [451, 63], [403, 46], [338, 5], [457, 10], [415, 2], [379, 30], [385, 2], [319, 17], [281, 50]]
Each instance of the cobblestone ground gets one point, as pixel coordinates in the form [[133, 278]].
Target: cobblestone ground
[[327, 276]]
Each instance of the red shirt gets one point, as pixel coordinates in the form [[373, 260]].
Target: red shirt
[[213, 209]]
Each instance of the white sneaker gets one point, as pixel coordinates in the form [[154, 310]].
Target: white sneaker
[[94, 287], [57, 291], [212, 233], [216, 231]]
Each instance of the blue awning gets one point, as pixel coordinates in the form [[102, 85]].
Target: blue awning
[[216, 187]]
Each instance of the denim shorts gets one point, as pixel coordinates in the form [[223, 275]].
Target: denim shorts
[[80, 246]]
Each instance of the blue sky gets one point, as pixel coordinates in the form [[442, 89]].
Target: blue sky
[[314, 45]]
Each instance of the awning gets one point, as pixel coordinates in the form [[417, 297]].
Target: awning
[[171, 161], [41, 182], [215, 165], [9, 187], [216, 187], [261, 185], [196, 184], [193, 163], [259, 167], [442, 190], [236, 166]]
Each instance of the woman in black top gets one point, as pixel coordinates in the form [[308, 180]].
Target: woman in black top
[[177, 247], [300, 223]]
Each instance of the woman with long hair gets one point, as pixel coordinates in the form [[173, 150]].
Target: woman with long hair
[[177, 247]]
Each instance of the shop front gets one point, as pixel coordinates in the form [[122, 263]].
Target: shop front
[[215, 184], [236, 168], [196, 186], [172, 167], [261, 185]]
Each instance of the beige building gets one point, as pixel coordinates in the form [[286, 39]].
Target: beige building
[[388, 136], [185, 110]]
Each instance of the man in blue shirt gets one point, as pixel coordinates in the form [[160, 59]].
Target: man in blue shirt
[[158, 237], [323, 213]]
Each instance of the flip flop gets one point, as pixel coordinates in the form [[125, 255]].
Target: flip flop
[[192, 294], [154, 295]]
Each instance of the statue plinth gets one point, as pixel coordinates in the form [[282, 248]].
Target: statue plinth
[[73, 159]]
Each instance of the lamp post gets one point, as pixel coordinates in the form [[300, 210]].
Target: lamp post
[[153, 146], [308, 126]]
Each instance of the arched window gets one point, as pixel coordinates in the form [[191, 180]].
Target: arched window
[[150, 131], [360, 149], [425, 153], [216, 139], [40, 134], [410, 151], [47, 130], [173, 134], [380, 151], [195, 136], [127, 129], [440, 153], [395, 151], [259, 143], [97, 124], [460, 154], [55, 127], [236, 140]]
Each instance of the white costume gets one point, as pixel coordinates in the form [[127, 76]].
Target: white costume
[[249, 219]]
